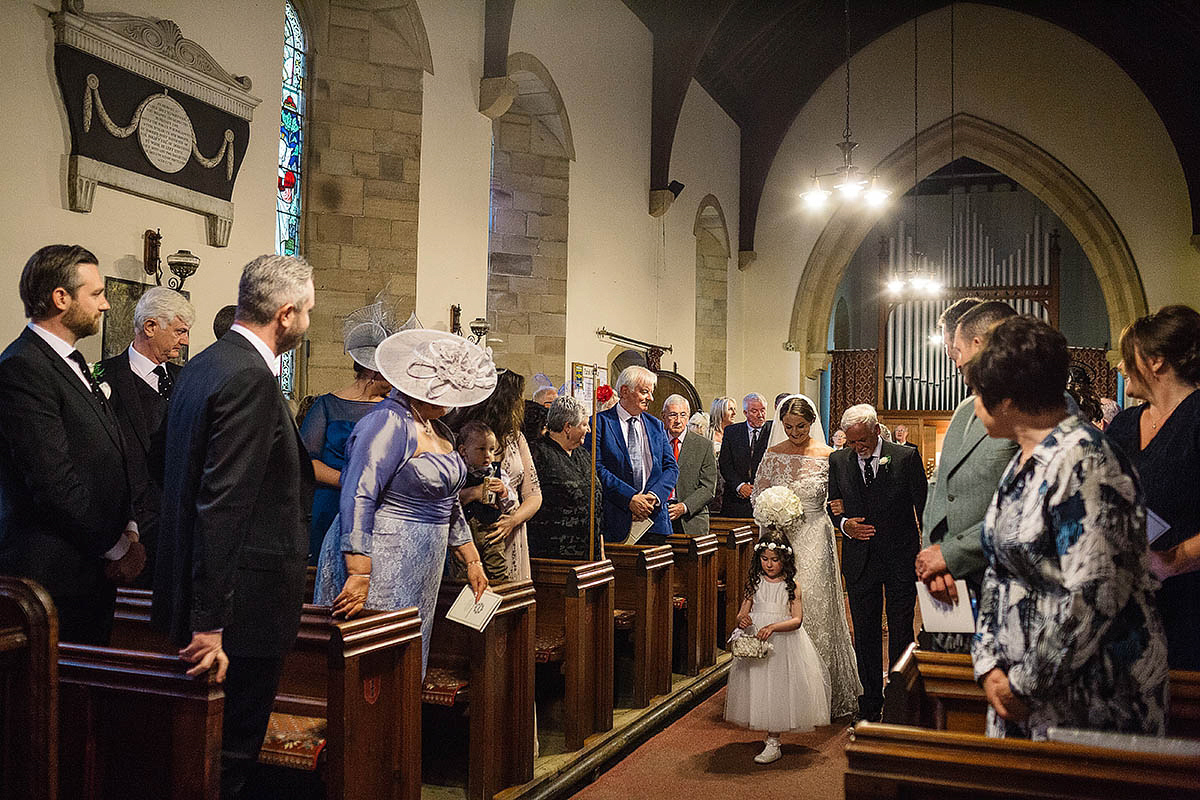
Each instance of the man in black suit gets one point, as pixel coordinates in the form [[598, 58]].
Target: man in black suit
[[742, 447], [142, 378], [237, 495], [881, 488], [66, 505]]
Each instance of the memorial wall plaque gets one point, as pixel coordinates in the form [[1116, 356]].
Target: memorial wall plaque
[[150, 113]]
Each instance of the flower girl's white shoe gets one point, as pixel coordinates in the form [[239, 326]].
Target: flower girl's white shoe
[[771, 752]]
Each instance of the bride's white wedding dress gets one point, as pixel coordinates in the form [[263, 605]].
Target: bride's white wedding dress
[[817, 572]]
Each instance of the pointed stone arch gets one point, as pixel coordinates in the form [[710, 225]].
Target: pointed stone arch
[[712, 297], [532, 150], [1037, 170]]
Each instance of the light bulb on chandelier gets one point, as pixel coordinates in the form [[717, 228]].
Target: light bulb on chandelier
[[850, 184]]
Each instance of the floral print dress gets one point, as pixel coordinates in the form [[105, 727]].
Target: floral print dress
[[1067, 608]]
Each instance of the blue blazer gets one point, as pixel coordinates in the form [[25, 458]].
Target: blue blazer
[[615, 474]]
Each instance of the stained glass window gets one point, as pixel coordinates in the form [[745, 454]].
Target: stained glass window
[[291, 160]]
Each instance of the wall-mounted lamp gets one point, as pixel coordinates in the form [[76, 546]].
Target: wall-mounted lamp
[[183, 264], [150, 255], [479, 330]]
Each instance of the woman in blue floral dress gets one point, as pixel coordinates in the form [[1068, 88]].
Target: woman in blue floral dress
[[1068, 634]]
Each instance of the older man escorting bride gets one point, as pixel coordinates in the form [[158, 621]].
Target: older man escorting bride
[[799, 458]]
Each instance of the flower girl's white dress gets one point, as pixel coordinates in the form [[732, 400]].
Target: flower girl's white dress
[[788, 690]]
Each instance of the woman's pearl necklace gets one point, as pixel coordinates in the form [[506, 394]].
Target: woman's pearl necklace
[[426, 425]]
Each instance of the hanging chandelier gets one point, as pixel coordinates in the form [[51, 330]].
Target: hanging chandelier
[[847, 179]]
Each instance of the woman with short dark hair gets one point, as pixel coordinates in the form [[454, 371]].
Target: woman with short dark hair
[[560, 528], [1067, 634], [1161, 362]]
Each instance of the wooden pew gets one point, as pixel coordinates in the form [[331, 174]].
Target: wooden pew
[[735, 546], [643, 578], [893, 761], [135, 724], [492, 672], [28, 691], [696, 582], [574, 627], [348, 702], [938, 691]]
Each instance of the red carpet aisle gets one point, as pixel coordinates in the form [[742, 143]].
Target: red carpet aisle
[[703, 756]]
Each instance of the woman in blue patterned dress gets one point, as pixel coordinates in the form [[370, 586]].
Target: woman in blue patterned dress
[[1068, 634], [399, 509]]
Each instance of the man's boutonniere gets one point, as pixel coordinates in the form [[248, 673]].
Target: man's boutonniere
[[883, 462], [98, 372]]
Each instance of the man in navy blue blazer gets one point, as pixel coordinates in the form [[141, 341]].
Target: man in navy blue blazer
[[634, 462]]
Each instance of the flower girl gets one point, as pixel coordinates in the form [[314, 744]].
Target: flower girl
[[787, 688]]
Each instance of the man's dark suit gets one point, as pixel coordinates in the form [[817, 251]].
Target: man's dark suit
[[141, 413], [892, 503], [65, 496], [738, 465], [697, 482], [233, 544]]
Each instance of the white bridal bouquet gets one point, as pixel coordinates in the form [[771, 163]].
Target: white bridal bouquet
[[777, 507]]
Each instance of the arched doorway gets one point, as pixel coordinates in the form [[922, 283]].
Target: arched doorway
[[712, 293], [1045, 176]]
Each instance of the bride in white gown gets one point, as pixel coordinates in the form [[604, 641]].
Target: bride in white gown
[[799, 458]]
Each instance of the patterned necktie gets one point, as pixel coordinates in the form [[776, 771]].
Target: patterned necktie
[[165, 383], [78, 358], [635, 454], [869, 471], [753, 438]]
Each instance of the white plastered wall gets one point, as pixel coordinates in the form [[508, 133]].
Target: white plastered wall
[[245, 39], [1017, 71]]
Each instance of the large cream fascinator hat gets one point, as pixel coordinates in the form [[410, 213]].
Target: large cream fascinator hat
[[437, 367]]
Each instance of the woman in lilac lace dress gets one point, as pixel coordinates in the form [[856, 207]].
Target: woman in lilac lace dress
[[799, 458], [399, 509]]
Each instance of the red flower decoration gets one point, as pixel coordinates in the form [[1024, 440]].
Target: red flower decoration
[[604, 393]]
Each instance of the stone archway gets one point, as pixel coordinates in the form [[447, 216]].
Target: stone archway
[[1014, 155], [532, 149], [712, 297]]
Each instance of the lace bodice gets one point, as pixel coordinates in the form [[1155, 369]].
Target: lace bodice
[[808, 477]]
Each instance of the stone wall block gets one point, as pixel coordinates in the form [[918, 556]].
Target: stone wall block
[[388, 46], [550, 267], [527, 201], [404, 234], [399, 263], [527, 163], [392, 190], [513, 137], [409, 80], [542, 142], [341, 15], [553, 250], [321, 255], [552, 186], [412, 169], [557, 167], [555, 205], [349, 70], [350, 94], [336, 194], [513, 243], [354, 257], [366, 165], [333, 162], [506, 220], [391, 167], [344, 137], [554, 229], [334, 228], [373, 232], [374, 118], [396, 143], [385, 208], [347, 40], [550, 346], [544, 324]]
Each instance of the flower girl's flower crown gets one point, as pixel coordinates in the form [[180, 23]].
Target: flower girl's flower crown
[[772, 546]]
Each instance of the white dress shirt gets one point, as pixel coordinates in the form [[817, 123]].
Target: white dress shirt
[[274, 362], [143, 368], [64, 350], [624, 416]]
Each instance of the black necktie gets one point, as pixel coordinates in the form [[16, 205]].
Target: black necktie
[[78, 358], [753, 438], [868, 471], [164, 381]]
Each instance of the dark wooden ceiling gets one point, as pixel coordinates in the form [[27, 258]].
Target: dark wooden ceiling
[[761, 60]]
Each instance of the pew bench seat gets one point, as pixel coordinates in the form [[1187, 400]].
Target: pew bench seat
[[623, 619], [294, 741], [444, 687]]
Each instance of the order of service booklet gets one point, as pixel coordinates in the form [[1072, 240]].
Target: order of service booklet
[[467, 611]]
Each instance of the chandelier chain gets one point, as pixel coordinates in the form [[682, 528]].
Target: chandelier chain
[[846, 133]]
